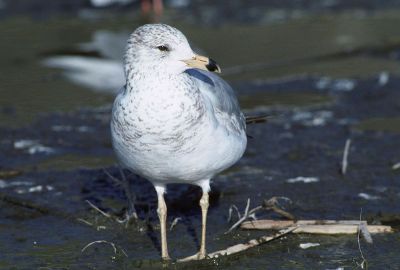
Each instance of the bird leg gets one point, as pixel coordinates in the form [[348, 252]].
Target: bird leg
[[204, 207], [162, 215]]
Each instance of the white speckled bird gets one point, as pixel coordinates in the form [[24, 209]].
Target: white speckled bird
[[175, 121]]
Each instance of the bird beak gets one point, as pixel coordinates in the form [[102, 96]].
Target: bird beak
[[202, 62]]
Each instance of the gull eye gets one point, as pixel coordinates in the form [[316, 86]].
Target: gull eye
[[163, 48]]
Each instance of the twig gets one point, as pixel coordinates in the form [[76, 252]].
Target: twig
[[241, 247], [104, 242], [174, 222], [230, 212], [245, 216], [98, 209], [364, 261], [85, 221], [115, 179], [130, 195], [271, 204], [363, 228], [317, 226], [131, 213], [339, 229], [100, 242], [345, 156], [120, 221], [240, 219]]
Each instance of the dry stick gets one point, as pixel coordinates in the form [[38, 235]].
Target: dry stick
[[84, 221], [131, 213], [339, 229], [245, 216], [289, 226], [345, 156], [364, 261], [363, 228], [130, 195], [174, 222], [264, 224], [231, 208], [317, 226], [98, 209], [241, 247], [270, 204], [115, 179], [120, 221], [106, 242], [101, 212]]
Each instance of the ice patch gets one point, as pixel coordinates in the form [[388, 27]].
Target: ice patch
[[367, 196], [60, 128], [318, 118], [308, 245], [32, 147], [38, 188], [335, 84], [6, 184], [383, 78], [303, 179], [22, 187]]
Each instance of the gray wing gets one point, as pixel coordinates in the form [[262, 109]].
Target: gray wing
[[220, 94]]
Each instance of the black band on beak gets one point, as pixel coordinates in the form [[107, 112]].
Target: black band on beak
[[212, 66]]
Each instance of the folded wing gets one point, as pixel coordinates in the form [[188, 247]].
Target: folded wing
[[221, 97]]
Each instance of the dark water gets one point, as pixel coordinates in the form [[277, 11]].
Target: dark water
[[323, 78]]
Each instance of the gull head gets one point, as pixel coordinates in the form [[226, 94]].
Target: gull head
[[164, 49]]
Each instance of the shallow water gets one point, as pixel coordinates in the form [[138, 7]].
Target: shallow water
[[340, 45], [321, 78]]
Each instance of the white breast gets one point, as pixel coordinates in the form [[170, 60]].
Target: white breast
[[172, 136]]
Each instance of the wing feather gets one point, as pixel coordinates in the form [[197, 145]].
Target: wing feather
[[221, 96]]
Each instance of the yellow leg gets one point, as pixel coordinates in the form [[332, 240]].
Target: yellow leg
[[204, 207], [162, 215]]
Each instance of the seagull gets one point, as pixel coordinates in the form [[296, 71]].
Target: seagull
[[175, 120]]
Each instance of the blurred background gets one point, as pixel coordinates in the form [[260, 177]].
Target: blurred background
[[326, 71], [64, 54]]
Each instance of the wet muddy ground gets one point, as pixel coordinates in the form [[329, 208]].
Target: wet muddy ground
[[51, 167], [55, 150]]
